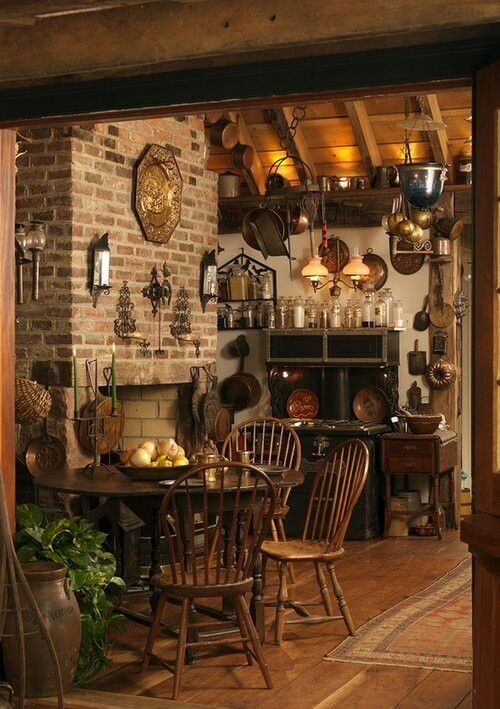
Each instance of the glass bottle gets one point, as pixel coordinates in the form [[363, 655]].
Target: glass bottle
[[357, 312], [281, 313], [221, 318], [298, 312], [399, 321], [266, 285], [389, 306], [380, 312], [259, 316], [253, 288], [311, 313], [269, 315], [368, 311], [335, 319], [323, 317], [247, 315], [238, 283], [348, 316]]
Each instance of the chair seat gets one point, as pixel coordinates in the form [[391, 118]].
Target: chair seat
[[162, 582], [298, 550]]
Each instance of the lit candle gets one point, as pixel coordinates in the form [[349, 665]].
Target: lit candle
[[75, 385], [113, 378]]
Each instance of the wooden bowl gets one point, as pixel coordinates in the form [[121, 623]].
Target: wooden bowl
[[421, 424], [150, 474]]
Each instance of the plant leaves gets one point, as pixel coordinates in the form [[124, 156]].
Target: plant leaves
[[29, 516]]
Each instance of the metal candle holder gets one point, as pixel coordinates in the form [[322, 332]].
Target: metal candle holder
[[124, 326], [158, 294], [95, 424]]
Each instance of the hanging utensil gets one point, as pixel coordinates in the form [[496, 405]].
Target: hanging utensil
[[417, 360], [45, 454], [441, 314], [421, 320], [378, 269]]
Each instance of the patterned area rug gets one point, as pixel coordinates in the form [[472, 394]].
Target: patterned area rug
[[431, 629]]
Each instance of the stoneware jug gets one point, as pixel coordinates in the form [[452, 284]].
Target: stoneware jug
[[59, 608]]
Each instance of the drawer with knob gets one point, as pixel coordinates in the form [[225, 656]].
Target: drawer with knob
[[402, 464]]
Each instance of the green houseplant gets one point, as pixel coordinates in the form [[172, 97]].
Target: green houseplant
[[76, 543]]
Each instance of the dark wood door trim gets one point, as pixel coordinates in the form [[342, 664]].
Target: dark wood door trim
[[7, 314], [198, 90]]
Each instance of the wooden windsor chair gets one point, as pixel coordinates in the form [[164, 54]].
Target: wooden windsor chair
[[336, 489], [272, 442], [208, 562]]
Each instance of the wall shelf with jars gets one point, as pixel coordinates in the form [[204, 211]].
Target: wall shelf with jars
[[246, 294]]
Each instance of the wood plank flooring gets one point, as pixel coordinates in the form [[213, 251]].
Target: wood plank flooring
[[374, 576]]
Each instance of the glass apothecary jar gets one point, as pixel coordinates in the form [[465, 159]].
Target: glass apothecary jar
[[368, 311], [349, 315], [281, 313], [266, 285], [298, 312], [389, 306], [269, 315], [335, 315], [238, 284], [399, 320], [380, 312], [311, 313]]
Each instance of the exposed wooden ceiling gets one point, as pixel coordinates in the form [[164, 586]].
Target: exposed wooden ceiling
[[351, 138]]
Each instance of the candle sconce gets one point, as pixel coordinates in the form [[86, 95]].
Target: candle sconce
[[181, 326], [99, 281], [33, 239], [124, 326], [159, 295]]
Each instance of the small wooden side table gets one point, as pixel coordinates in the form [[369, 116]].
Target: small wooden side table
[[434, 456]]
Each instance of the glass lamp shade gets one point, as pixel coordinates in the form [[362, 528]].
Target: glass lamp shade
[[355, 268], [36, 236], [314, 269]]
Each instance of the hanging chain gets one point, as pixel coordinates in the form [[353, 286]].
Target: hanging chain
[[286, 133]]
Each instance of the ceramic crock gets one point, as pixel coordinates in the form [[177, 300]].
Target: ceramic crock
[[57, 603]]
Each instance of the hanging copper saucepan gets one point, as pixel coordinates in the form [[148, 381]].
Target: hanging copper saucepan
[[298, 221], [263, 229], [243, 156], [224, 133]]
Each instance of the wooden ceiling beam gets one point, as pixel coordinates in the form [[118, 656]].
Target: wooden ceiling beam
[[26, 12], [256, 176], [437, 138], [363, 132]]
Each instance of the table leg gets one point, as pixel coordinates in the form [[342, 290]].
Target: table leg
[[155, 567], [257, 608], [437, 509], [387, 505], [451, 499]]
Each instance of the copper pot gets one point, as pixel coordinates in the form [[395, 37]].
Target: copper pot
[[243, 156], [224, 133]]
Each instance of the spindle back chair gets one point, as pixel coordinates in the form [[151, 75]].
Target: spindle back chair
[[211, 560], [272, 442], [335, 491]]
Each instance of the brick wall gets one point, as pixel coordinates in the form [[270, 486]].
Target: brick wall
[[80, 182], [150, 412]]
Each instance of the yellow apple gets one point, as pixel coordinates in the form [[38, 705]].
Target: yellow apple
[[180, 460], [153, 464], [165, 463], [161, 458]]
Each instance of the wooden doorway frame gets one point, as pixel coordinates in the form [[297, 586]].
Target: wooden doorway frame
[[421, 68]]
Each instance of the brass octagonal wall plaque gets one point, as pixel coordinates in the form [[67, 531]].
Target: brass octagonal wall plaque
[[158, 193]]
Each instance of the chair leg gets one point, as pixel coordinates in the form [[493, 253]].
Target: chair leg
[[252, 632], [264, 570], [274, 531], [181, 646], [282, 538], [344, 608], [325, 596], [153, 631], [280, 609], [243, 632]]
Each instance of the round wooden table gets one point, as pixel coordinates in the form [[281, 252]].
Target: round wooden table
[[116, 486]]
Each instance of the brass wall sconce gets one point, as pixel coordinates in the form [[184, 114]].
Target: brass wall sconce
[[29, 238], [181, 326], [124, 326], [99, 282]]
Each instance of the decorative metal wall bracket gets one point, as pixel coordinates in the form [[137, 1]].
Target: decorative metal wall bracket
[[181, 326], [159, 295], [124, 326]]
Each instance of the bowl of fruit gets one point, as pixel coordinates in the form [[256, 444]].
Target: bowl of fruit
[[164, 460]]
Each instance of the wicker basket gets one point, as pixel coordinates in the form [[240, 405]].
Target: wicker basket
[[33, 402]]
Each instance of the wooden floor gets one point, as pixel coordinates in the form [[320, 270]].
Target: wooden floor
[[375, 576]]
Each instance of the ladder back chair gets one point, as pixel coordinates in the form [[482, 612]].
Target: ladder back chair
[[207, 560], [272, 442], [336, 489]]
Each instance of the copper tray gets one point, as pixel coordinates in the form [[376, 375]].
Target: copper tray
[[113, 426], [378, 269], [45, 454], [371, 405], [302, 404], [336, 254]]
